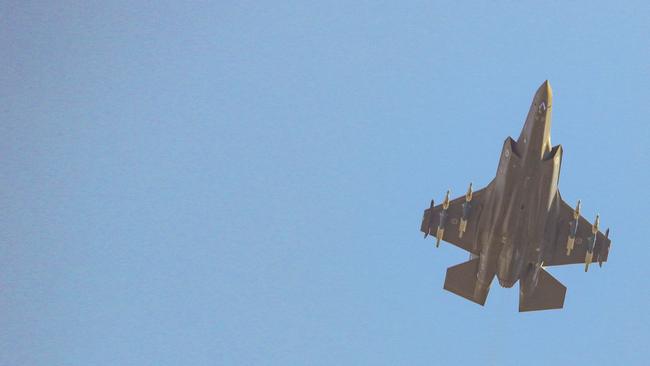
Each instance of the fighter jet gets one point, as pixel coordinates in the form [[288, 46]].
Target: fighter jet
[[518, 224]]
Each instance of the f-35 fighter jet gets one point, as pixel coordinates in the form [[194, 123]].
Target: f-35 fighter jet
[[518, 223]]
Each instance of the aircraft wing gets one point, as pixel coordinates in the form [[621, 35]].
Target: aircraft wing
[[583, 240], [452, 222]]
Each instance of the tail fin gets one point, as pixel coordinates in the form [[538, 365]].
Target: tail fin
[[548, 294], [461, 279]]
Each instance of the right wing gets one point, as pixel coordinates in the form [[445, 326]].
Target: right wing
[[582, 241], [466, 241]]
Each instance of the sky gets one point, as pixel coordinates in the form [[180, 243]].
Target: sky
[[242, 182]]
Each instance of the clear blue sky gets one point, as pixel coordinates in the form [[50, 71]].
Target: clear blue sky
[[239, 183]]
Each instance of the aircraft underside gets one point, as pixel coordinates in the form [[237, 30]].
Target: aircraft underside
[[518, 224]]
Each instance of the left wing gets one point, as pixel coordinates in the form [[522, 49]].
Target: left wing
[[452, 221], [587, 247]]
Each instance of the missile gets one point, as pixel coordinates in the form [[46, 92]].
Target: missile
[[467, 209], [592, 243], [443, 220], [426, 233], [573, 229], [588, 258], [445, 203], [600, 251], [468, 195]]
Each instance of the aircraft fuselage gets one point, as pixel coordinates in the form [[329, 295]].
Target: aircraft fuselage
[[520, 201], [518, 223]]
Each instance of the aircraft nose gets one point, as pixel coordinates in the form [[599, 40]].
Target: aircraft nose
[[544, 93]]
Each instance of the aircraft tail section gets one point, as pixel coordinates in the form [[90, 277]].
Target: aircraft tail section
[[548, 294], [461, 279]]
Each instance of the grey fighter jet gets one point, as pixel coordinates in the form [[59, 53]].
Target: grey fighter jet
[[518, 223]]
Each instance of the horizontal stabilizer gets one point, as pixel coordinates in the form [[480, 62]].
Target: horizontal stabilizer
[[548, 294], [461, 280]]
